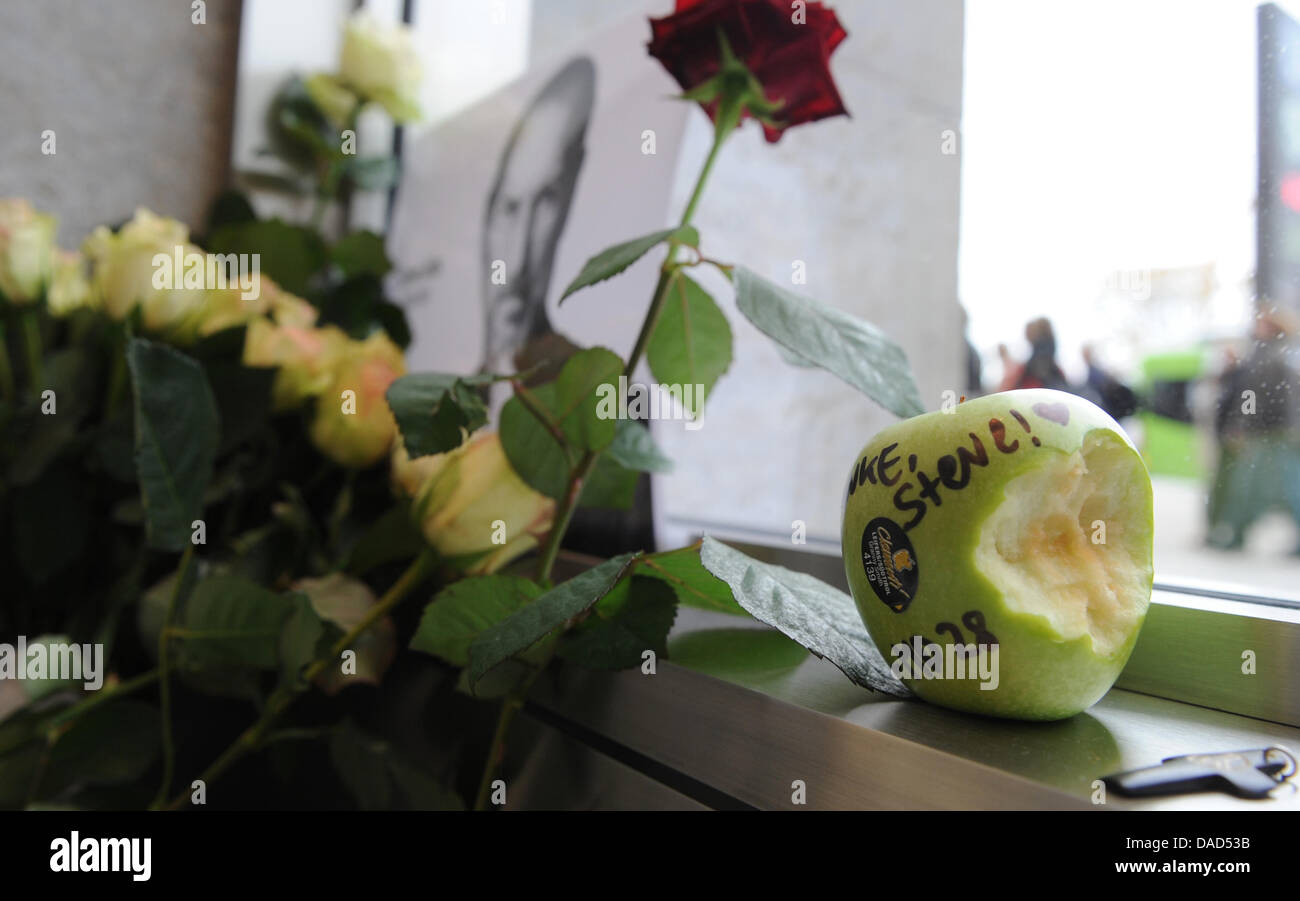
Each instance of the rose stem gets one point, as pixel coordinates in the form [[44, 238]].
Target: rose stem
[[6, 370], [284, 696], [728, 118], [32, 339], [164, 680]]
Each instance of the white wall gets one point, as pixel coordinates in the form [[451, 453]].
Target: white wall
[[870, 205], [138, 96]]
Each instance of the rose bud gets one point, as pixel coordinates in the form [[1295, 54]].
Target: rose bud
[[285, 308], [26, 250], [127, 274], [331, 97], [409, 475], [790, 60], [353, 425], [123, 260], [469, 503], [69, 287], [345, 601], [226, 308], [305, 358], [380, 63]]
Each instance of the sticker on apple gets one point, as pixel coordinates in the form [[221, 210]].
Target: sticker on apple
[[890, 563]]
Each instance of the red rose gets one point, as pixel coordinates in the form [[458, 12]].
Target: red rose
[[791, 61]]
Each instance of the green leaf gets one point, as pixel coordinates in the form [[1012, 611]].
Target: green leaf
[[176, 433], [552, 610], [612, 482], [850, 348], [151, 612], [36, 438], [29, 723], [609, 486], [634, 448], [340, 602], [691, 342], [613, 260], [273, 182], [392, 319], [532, 450], [462, 611], [577, 400], [572, 405], [360, 253], [17, 770], [372, 173], [818, 616], [390, 537], [243, 396], [114, 448], [298, 128], [290, 254], [230, 621], [381, 779], [113, 743], [622, 630], [230, 207], [300, 639], [432, 409], [352, 305], [695, 586]]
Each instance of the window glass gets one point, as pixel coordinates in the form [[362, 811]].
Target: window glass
[[1130, 229]]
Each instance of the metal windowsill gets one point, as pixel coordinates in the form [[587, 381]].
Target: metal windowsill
[[747, 735]]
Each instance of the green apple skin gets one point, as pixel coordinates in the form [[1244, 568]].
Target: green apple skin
[[1045, 673]]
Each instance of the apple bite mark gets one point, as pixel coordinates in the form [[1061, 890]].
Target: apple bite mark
[[1063, 547]]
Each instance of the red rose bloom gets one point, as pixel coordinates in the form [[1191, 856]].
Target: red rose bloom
[[791, 61]]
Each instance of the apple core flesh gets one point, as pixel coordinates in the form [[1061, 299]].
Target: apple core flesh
[[1041, 546], [1021, 521]]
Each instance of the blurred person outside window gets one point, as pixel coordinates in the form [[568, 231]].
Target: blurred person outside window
[[1105, 390], [1041, 369], [1011, 369], [1257, 423]]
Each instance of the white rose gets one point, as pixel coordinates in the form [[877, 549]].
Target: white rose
[[379, 62], [26, 250]]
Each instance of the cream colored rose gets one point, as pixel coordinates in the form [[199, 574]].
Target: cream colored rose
[[345, 601], [333, 99], [285, 308], [26, 251], [305, 358], [226, 308], [470, 501], [410, 475], [353, 425], [380, 63], [135, 266], [69, 287]]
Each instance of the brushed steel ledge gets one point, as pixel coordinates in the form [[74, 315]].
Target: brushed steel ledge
[[749, 735]]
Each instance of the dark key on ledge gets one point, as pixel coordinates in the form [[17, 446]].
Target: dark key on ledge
[[1250, 774]]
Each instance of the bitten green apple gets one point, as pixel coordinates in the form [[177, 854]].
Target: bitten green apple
[[1020, 521]]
